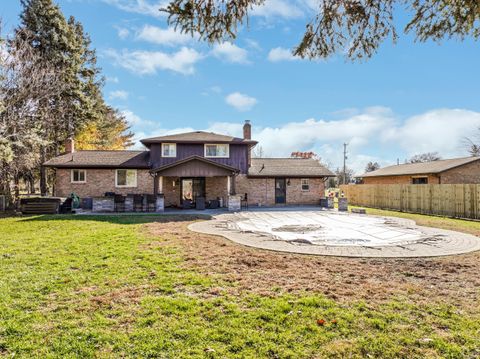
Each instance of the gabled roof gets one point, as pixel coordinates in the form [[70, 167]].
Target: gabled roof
[[287, 167], [197, 137], [101, 159], [433, 167]]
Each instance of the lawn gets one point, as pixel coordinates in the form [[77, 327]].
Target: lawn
[[144, 286]]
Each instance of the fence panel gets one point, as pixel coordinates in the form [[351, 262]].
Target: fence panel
[[452, 200]]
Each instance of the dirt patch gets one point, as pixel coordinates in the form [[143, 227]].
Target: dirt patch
[[452, 279]]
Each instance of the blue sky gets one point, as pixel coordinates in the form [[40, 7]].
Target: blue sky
[[407, 99]]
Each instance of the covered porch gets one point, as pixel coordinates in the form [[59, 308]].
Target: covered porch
[[196, 182]]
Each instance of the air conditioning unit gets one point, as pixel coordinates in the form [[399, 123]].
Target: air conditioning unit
[[2, 203]]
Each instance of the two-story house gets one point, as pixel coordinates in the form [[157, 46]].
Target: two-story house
[[190, 165]]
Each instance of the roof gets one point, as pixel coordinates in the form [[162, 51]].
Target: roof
[[287, 167], [421, 168], [195, 158], [101, 159], [197, 137]]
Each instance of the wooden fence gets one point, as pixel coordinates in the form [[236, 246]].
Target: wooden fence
[[451, 200]]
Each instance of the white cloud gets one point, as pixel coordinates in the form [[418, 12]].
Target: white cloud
[[168, 36], [118, 95], [241, 101], [113, 79], [148, 62], [231, 53], [281, 54], [278, 8], [144, 7], [123, 32], [440, 130]]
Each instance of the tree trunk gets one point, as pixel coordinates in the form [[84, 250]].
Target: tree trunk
[[43, 173]]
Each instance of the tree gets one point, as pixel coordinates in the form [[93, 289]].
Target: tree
[[472, 144], [349, 176], [353, 27], [372, 166], [258, 152], [425, 157]]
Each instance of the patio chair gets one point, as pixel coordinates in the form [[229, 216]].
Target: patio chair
[[137, 203], [66, 207], [151, 203], [119, 203], [187, 204]]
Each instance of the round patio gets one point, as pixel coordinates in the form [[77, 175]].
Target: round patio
[[326, 232]]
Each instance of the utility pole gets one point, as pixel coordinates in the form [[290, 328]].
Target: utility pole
[[345, 163]]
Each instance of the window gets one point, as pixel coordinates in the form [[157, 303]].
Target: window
[[420, 180], [79, 176], [305, 185], [217, 150], [126, 178], [169, 150]]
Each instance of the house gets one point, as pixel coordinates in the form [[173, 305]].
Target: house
[[188, 166], [451, 171]]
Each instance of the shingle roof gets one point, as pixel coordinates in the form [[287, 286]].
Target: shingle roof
[[111, 159], [421, 168], [287, 167], [197, 137]]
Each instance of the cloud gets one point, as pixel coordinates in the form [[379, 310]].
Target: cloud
[[118, 95], [123, 32], [168, 36], [278, 8], [241, 101], [281, 54], [229, 52], [149, 62], [143, 7], [113, 79]]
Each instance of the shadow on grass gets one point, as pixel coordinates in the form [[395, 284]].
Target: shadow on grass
[[119, 219]]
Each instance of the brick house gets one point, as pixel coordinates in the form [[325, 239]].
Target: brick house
[[451, 171], [191, 165]]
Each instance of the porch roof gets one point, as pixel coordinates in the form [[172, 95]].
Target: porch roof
[[195, 166]]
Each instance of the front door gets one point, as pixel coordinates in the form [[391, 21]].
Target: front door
[[192, 188], [280, 191]]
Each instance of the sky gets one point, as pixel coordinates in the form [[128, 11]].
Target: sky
[[409, 98]]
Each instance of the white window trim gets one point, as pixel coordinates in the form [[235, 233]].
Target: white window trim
[[76, 182], [125, 186], [216, 144], [174, 144], [308, 184]]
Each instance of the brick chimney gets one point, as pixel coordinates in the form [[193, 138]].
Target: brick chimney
[[69, 145], [247, 130]]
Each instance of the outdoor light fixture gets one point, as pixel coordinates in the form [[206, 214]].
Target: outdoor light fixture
[[288, 182]]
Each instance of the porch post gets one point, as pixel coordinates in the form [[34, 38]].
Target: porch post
[[160, 184], [229, 185]]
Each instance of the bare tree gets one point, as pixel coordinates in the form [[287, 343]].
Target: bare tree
[[24, 88], [258, 152], [425, 157], [472, 144], [372, 166], [356, 28]]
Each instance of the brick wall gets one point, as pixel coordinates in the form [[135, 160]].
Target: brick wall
[[171, 191], [262, 190], [469, 173], [216, 187], [98, 182], [432, 179]]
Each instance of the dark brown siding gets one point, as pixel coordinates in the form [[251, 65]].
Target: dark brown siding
[[238, 155], [195, 168]]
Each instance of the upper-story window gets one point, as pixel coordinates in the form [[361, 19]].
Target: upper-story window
[[169, 150], [217, 150]]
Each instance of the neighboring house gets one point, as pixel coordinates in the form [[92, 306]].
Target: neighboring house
[[190, 165], [451, 171]]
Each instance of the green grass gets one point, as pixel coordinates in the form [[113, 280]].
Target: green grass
[[81, 287]]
